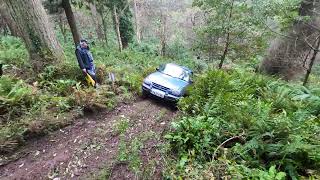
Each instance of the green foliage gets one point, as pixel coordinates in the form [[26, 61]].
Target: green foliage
[[21, 105], [104, 174], [126, 27], [121, 126], [270, 123], [149, 48], [66, 70], [242, 172], [12, 51], [122, 153], [15, 96], [282, 13], [241, 29], [125, 20], [61, 89], [52, 5], [129, 152], [272, 174], [178, 50]]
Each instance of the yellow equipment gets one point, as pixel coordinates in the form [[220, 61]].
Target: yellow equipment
[[90, 81]]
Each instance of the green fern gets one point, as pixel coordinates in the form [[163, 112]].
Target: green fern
[[278, 122]]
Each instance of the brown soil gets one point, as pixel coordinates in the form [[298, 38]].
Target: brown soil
[[90, 146]]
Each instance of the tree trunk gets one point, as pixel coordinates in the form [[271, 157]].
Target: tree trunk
[[193, 20], [225, 52], [212, 42], [117, 27], [313, 58], [163, 39], [3, 26], [226, 47], [97, 22], [142, 30], [7, 19], [104, 25], [29, 20], [71, 20], [137, 18], [62, 27], [5, 30]]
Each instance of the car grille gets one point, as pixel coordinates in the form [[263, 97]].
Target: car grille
[[158, 86]]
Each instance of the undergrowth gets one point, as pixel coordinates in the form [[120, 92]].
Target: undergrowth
[[34, 104], [246, 126]]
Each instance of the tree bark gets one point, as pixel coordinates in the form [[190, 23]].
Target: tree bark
[[225, 52], [104, 25], [137, 18], [29, 20], [97, 21], [306, 8], [3, 26], [117, 27], [226, 47], [62, 27], [71, 20], [313, 58], [163, 38], [7, 19]]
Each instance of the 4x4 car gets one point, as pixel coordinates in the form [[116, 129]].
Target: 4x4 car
[[169, 82]]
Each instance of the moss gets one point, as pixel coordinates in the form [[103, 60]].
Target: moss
[[36, 45]]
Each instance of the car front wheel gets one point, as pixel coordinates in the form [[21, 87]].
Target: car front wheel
[[144, 94]]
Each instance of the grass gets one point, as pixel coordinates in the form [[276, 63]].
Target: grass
[[104, 174], [13, 51], [161, 114], [129, 152], [121, 126]]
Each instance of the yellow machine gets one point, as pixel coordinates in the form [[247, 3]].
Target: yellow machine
[[90, 81]]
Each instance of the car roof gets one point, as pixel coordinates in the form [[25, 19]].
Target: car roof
[[183, 67]]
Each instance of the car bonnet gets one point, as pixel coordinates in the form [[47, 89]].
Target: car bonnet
[[167, 81]]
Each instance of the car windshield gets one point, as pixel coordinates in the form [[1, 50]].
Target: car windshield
[[175, 71]]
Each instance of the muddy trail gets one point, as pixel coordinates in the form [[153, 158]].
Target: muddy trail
[[122, 144]]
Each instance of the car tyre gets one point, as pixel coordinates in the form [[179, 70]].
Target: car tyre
[[144, 94]]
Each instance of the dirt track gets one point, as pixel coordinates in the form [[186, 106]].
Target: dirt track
[[91, 144]]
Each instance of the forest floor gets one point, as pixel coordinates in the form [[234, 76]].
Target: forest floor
[[122, 144]]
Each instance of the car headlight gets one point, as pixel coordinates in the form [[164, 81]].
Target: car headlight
[[147, 81], [176, 92]]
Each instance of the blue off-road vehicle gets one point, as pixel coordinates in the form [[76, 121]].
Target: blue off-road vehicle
[[169, 82]]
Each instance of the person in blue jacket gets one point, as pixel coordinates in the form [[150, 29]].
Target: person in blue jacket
[[85, 59]]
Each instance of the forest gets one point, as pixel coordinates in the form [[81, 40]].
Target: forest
[[251, 112]]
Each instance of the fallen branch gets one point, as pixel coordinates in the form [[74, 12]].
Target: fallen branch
[[239, 138]]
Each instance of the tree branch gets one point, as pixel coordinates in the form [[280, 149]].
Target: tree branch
[[278, 33], [122, 11], [239, 138], [310, 45]]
